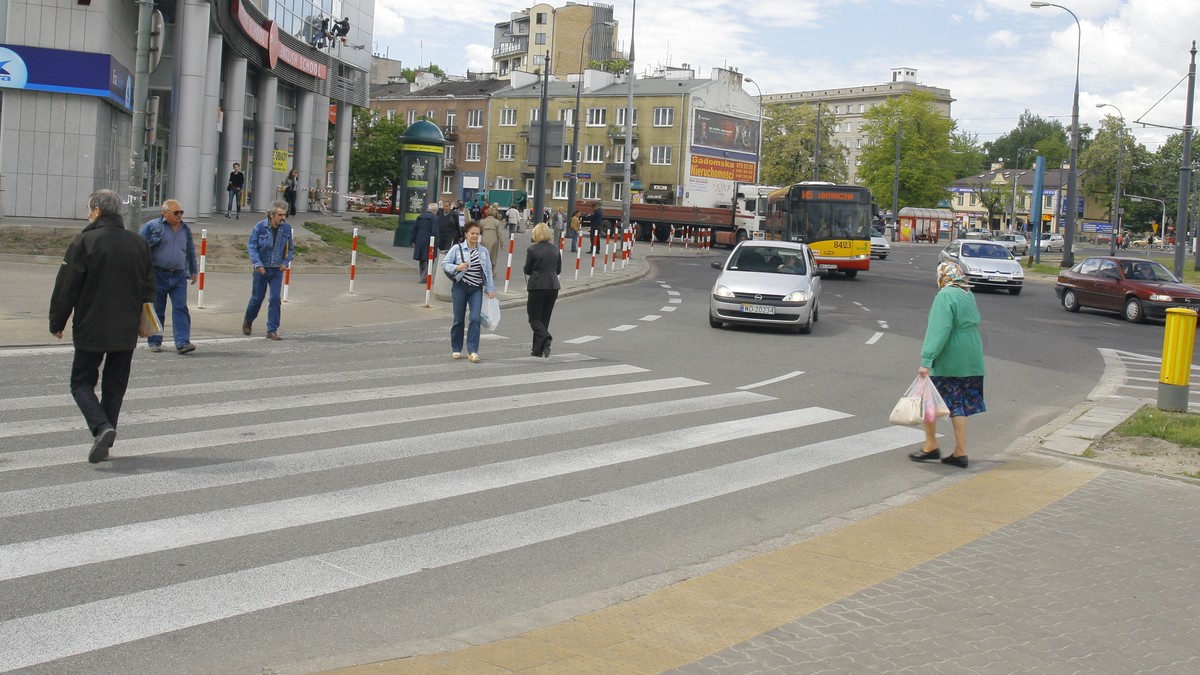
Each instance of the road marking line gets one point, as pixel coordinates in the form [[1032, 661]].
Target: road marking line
[[672, 292], [874, 338], [70, 631], [668, 309], [773, 380], [650, 317], [622, 328], [675, 301], [582, 340]]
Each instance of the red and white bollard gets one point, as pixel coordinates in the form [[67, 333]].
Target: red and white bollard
[[578, 258], [429, 270], [512, 241], [353, 258], [595, 243], [287, 281], [203, 255]]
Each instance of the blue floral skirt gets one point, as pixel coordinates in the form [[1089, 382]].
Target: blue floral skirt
[[963, 395]]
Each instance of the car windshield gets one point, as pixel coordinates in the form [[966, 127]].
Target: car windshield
[[768, 259], [1147, 270], [985, 251]]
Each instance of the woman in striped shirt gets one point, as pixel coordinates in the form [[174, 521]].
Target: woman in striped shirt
[[471, 267]]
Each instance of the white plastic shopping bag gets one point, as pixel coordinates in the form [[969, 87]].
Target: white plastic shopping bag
[[920, 404], [491, 313]]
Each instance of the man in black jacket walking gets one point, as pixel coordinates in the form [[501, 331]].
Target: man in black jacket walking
[[105, 278]]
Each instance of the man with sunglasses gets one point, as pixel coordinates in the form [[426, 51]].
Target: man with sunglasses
[[270, 248], [174, 256]]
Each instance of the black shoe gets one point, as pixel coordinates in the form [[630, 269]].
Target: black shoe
[[186, 348], [926, 456], [960, 461], [247, 327], [104, 441], [273, 336], [546, 349]]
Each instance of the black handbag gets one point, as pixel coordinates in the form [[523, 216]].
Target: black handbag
[[453, 276]]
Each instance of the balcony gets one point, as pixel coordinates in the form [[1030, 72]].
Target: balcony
[[448, 166], [615, 131], [514, 47], [523, 132], [615, 170], [528, 167], [450, 133]]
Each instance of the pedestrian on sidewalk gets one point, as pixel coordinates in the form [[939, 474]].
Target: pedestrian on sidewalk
[[543, 264], [270, 247], [558, 223], [424, 228], [490, 236], [237, 180], [952, 359], [513, 218], [573, 232], [291, 187], [105, 278], [472, 270], [448, 230], [173, 254]]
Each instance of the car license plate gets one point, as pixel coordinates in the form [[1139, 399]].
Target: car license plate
[[997, 278], [758, 309], [827, 266]]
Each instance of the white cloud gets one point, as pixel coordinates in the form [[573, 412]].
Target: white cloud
[[479, 58], [1003, 38]]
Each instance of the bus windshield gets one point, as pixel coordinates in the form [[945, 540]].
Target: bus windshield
[[832, 220]]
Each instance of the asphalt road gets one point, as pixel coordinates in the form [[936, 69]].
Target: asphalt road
[[344, 496]]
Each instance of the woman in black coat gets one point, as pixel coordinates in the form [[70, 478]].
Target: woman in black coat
[[543, 264]]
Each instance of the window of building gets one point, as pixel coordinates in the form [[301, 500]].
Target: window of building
[[251, 95], [621, 117], [974, 199], [560, 190], [539, 59], [503, 183], [567, 116], [618, 192], [664, 117], [566, 152], [391, 115], [447, 184], [660, 154], [448, 153], [473, 152], [593, 154], [619, 153], [505, 152], [431, 115], [591, 189], [508, 117], [529, 185], [474, 119], [837, 110], [837, 128], [960, 199], [534, 113], [862, 107], [597, 117], [858, 143], [541, 18], [285, 108], [539, 39], [410, 118], [451, 118]]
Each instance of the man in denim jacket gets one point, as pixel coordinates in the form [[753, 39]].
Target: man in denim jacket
[[270, 248], [174, 257]]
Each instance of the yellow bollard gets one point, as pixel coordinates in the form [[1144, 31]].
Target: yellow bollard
[[1176, 371]]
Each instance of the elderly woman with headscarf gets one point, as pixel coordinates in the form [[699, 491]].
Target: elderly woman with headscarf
[[952, 358]]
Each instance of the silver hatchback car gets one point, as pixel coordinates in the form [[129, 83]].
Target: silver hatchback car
[[767, 283], [987, 264]]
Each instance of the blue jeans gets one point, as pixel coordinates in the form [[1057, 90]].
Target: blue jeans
[[466, 296], [235, 197], [272, 280], [172, 285]]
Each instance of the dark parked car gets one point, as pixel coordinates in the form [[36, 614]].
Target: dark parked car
[[1135, 287], [380, 207]]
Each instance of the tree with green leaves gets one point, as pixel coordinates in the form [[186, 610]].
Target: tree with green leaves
[[967, 157], [617, 66], [410, 74], [1098, 164], [993, 197], [925, 168], [1048, 137], [788, 137], [375, 153]]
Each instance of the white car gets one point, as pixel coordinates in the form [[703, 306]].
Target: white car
[[767, 283], [1052, 242], [880, 248], [1017, 243], [987, 264]]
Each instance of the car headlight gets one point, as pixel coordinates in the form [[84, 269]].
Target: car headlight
[[1019, 273], [722, 292], [863, 256], [1158, 297], [796, 296], [972, 269]]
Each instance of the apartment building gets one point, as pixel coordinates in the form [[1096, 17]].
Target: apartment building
[[970, 213], [569, 36], [849, 105]]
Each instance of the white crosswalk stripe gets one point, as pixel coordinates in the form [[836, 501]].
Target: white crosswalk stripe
[[222, 471]]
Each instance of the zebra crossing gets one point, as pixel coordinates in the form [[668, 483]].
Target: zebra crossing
[[235, 497]]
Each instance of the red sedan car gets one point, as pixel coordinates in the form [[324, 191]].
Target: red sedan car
[[380, 207], [1136, 287]]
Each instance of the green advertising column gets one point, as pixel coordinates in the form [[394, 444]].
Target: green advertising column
[[421, 149]]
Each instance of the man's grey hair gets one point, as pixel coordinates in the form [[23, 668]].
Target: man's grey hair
[[167, 205], [278, 205], [107, 201], [433, 206]]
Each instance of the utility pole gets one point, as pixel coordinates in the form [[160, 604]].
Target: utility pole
[[141, 86], [817, 148], [1185, 177], [539, 181], [896, 186]]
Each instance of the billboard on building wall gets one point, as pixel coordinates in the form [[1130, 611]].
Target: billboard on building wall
[[67, 72], [724, 132]]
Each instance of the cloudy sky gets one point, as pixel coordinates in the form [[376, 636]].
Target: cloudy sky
[[997, 57]]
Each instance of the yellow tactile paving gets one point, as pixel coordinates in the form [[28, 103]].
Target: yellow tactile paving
[[703, 615]]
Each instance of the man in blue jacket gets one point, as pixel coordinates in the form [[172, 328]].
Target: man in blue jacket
[[270, 249], [425, 227], [174, 257]]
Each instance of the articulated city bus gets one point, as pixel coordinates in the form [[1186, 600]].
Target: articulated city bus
[[834, 220]]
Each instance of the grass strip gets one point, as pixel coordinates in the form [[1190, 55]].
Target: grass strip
[[388, 223], [342, 239], [1180, 428]]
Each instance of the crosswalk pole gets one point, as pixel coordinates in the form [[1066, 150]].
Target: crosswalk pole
[[203, 255], [287, 281], [353, 258], [512, 242], [429, 271], [578, 258]]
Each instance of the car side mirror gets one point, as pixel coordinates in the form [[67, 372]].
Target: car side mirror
[[952, 254], [716, 265]]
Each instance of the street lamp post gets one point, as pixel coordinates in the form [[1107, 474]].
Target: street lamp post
[[571, 184], [1116, 210], [1012, 221], [1162, 223], [1068, 258], [896, 186], [758, 157]]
